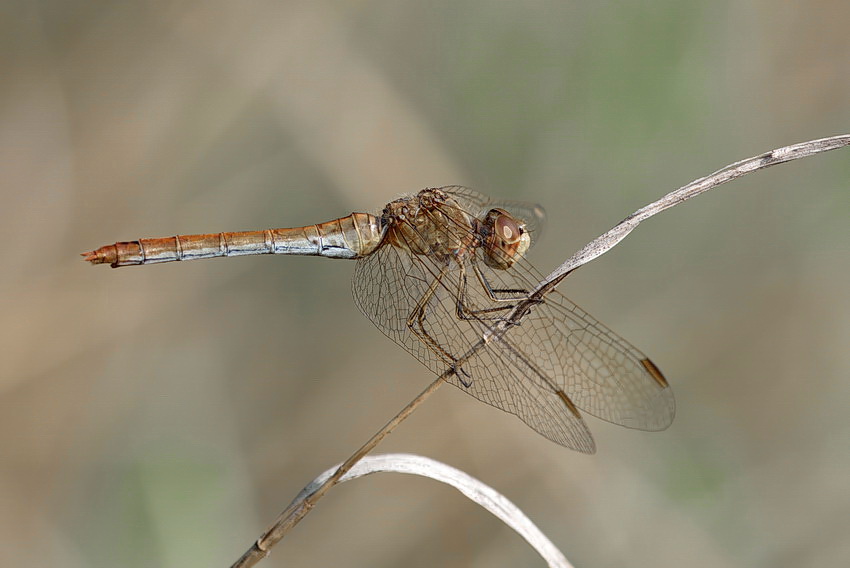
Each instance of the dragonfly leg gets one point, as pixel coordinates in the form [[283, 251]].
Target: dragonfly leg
[[462, 309], [458, 371], [464, 312], [522, 294], [519, 294], [416, 324]]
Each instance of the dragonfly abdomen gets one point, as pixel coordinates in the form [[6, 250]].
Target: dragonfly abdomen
[[349, 237]]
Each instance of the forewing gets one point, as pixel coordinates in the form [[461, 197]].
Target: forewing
[[556, 350], [478, 204], [601, 372], [388, 286]]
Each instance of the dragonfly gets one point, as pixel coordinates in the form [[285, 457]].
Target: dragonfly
[[444, 274]]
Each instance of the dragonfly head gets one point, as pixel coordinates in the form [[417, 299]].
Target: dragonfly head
[[505, 239]]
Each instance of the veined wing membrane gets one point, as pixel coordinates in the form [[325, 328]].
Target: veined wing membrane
[[493, 374], [602, 373], [556, 347]]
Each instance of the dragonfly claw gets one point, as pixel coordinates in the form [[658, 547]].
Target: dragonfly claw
[[458, 371]]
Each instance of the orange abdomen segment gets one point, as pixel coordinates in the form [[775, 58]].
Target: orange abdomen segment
[[351, 237]]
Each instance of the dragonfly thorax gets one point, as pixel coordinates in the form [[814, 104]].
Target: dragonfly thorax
[[430, 223]]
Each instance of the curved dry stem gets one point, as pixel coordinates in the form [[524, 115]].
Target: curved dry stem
[[299, 508], [602, 244], [595, 248], [471, 487]]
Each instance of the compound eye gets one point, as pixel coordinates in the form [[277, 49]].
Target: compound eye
[[506, 229], [506, 240]]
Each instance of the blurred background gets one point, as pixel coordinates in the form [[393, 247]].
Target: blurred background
[[164, 415]]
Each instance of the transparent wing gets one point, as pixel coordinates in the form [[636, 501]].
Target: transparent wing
[[603, 374], [439, 310], [477, 204], [388, 286]]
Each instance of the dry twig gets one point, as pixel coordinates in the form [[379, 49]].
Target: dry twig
[[597, 247], [474, 489]]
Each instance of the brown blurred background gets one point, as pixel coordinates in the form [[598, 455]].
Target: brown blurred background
[[162, 416]]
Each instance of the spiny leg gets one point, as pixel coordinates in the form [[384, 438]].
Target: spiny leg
[[416, 324], [519, 293], [463, 310]]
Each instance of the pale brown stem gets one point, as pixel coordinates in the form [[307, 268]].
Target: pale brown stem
[[299, 508]]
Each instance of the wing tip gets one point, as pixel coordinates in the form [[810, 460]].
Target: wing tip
[[655, 373], [569, 403]]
